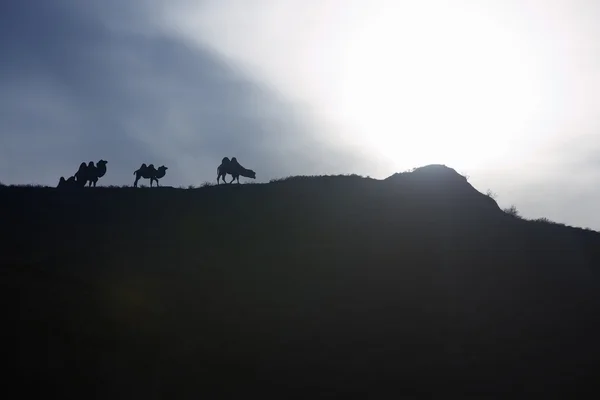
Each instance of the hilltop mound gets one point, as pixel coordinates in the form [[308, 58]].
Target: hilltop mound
[[414, 284], [441, 182], [434, 174]]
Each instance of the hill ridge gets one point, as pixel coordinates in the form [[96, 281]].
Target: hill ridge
[[306, 285]]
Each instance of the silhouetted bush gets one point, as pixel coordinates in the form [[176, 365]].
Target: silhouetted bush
[[544, 220], [306, 178], [512, 210], [491, 194], [295, 178], [28, 185]]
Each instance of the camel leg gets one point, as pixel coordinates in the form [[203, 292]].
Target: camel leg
[[238, 179], [136, 181]]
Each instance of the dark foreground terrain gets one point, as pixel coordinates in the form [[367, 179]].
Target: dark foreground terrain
[[308, 287]]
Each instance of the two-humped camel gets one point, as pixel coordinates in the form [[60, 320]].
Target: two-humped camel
[[149, 172], [233, 168]]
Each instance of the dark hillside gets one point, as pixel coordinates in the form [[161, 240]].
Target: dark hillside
[[416, 284]]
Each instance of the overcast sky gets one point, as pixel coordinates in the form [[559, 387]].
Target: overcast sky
[[506, 91]]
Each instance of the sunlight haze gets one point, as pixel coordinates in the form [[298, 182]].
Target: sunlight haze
[[451, 82]]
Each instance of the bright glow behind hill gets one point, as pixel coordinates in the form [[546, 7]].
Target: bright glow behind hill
[[463, 83]]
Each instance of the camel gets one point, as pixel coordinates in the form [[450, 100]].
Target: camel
[[67, 183], [149, 172], [90, 173], [96, 172], [233, 168]]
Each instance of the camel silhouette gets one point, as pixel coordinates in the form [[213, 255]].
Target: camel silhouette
[[67, 183], [96, 172], [149, 172], [233, 168]]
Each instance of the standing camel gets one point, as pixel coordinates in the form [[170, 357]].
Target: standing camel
[[149, 172], [97, 172]]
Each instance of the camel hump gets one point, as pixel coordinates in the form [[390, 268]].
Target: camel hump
[[141, 169], [82, 170], [235, 164], [225, 161]]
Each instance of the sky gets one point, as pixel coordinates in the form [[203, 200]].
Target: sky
[[504, 91]]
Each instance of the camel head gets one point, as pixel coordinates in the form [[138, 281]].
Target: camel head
[[101, 168], [161, 171], [250, 174]]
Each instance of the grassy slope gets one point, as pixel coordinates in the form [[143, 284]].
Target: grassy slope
[[418, 284]]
